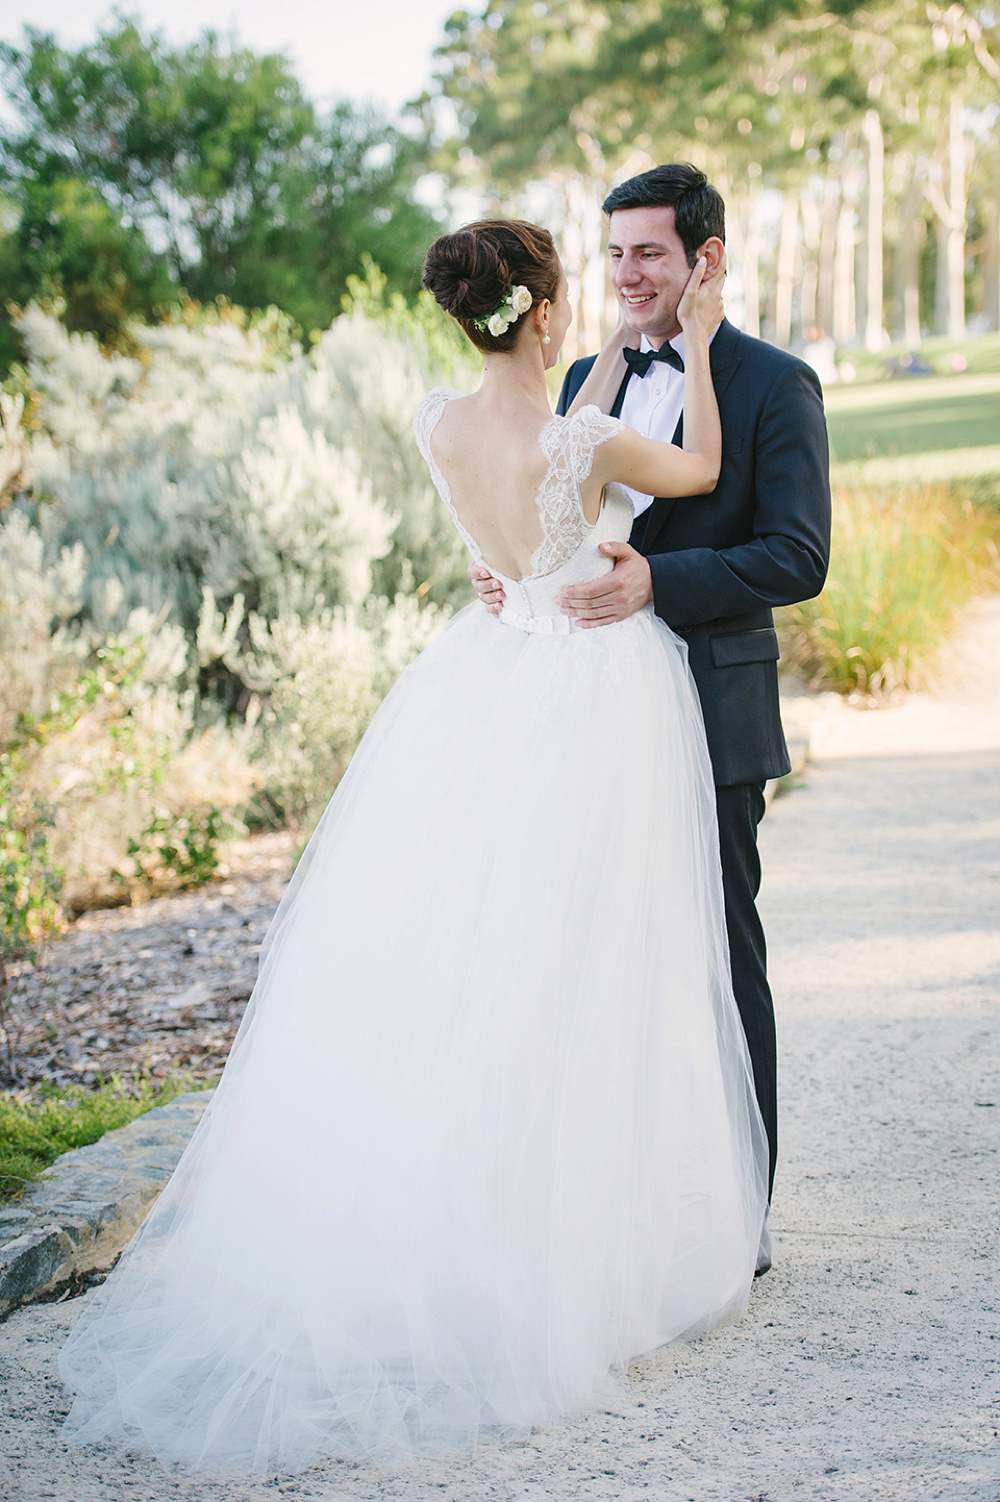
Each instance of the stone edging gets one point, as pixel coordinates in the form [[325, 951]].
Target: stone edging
[[84, 1211]]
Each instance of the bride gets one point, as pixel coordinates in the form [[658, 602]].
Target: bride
[[488, 1130]]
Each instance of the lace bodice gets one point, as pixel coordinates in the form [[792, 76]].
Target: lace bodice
[[569, 549]]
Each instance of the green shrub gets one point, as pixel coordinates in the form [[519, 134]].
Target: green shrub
[[30, 886], [217, 555], [140, 793], [180, 850], [903, 562], [322, 681]]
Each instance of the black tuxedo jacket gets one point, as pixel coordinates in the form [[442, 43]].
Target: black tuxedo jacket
[[720, 562]]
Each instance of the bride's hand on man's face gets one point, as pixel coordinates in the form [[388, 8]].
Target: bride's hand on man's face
[[701, 304], [624, 336]]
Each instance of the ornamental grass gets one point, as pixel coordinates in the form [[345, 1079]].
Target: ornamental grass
[[903, 562]]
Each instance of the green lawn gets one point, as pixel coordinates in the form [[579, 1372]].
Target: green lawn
[[925, 427], [981, 354]]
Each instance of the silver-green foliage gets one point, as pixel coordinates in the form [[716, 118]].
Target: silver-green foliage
[[258, 520], [209, 466]]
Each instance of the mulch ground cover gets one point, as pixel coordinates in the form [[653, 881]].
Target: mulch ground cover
[[150, 989]]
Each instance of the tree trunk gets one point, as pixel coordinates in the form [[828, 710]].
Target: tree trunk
[[906, 262], [844, 293], [752, 271], [582, 240], [941, 309], [746, 249], [957, 211], [950, 284], [785, 270], [991, 254], [874, 216], [572, 249], [812, 229], [827, 248]]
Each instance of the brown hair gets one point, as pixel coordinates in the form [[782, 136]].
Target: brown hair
[[699, 212], [471, 271]]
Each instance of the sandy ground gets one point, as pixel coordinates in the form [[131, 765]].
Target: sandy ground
[[867, 1367]]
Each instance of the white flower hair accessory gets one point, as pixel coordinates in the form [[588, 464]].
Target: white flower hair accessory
[[507, 311]]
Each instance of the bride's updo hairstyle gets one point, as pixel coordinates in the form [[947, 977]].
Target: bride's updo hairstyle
[[472, 271]]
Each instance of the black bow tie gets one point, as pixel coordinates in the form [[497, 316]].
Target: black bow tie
[[639, 360]]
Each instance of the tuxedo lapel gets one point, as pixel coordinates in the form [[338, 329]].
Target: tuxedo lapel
[[616, 405], [723, 360], [723, 363], [658, 515]]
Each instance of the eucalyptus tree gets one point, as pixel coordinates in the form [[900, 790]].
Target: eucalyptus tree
[[65, 246], [571, 88], [830, 103], [525, 124]]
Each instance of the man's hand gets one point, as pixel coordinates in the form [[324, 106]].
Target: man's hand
[[614, 596], [489, 590]]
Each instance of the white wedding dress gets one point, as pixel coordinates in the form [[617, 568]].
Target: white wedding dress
[[487, 1131]]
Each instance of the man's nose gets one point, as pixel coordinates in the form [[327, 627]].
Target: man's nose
[[624, 272]]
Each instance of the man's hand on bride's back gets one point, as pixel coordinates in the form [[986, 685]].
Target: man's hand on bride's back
[[596, 602], [612, 597], [489, 590]]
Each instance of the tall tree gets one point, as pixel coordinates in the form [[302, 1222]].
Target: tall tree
[[215, 169], [822, 101], [67, 248]]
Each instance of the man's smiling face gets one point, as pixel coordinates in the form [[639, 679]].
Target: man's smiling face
[[650, 270]]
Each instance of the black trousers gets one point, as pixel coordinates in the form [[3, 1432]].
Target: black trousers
[[741, 809]]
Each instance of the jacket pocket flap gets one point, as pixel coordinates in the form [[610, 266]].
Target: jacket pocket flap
[[745, 646]]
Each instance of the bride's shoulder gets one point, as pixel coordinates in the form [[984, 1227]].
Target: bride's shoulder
[[437, 397], [429, 409], [591, 416]]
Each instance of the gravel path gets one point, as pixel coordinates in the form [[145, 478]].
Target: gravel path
[[867, 1367]]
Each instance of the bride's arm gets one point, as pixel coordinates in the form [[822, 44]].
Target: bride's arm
[[607, 372], [663, 468]]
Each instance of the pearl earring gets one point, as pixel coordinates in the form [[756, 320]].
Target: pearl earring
[[546, 340]]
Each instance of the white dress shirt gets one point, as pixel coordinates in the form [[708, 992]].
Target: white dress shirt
[[653, 405]]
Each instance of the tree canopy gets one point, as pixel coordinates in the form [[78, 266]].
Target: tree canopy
[[136, 172], [880, 118]]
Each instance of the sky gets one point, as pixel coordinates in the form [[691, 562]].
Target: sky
[[358, 49]]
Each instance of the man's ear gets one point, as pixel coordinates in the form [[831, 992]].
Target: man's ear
[[714, 252]]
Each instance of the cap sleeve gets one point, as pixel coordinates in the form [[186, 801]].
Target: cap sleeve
[[429, 409], [590, 428]]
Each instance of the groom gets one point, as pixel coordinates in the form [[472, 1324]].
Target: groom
[[713, 566]]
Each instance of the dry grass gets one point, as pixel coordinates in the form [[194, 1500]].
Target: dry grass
[[903, 563]]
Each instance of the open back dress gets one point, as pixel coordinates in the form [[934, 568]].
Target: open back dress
[[488, 1129]]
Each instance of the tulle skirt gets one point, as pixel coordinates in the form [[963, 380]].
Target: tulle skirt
[[488, 1129]]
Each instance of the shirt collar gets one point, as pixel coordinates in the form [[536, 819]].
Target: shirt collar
[[677, 342]]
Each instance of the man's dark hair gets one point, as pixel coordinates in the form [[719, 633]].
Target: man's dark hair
[[699, 211]]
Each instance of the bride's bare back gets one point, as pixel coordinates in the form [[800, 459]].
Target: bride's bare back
[[496, 473], [523, 497]]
